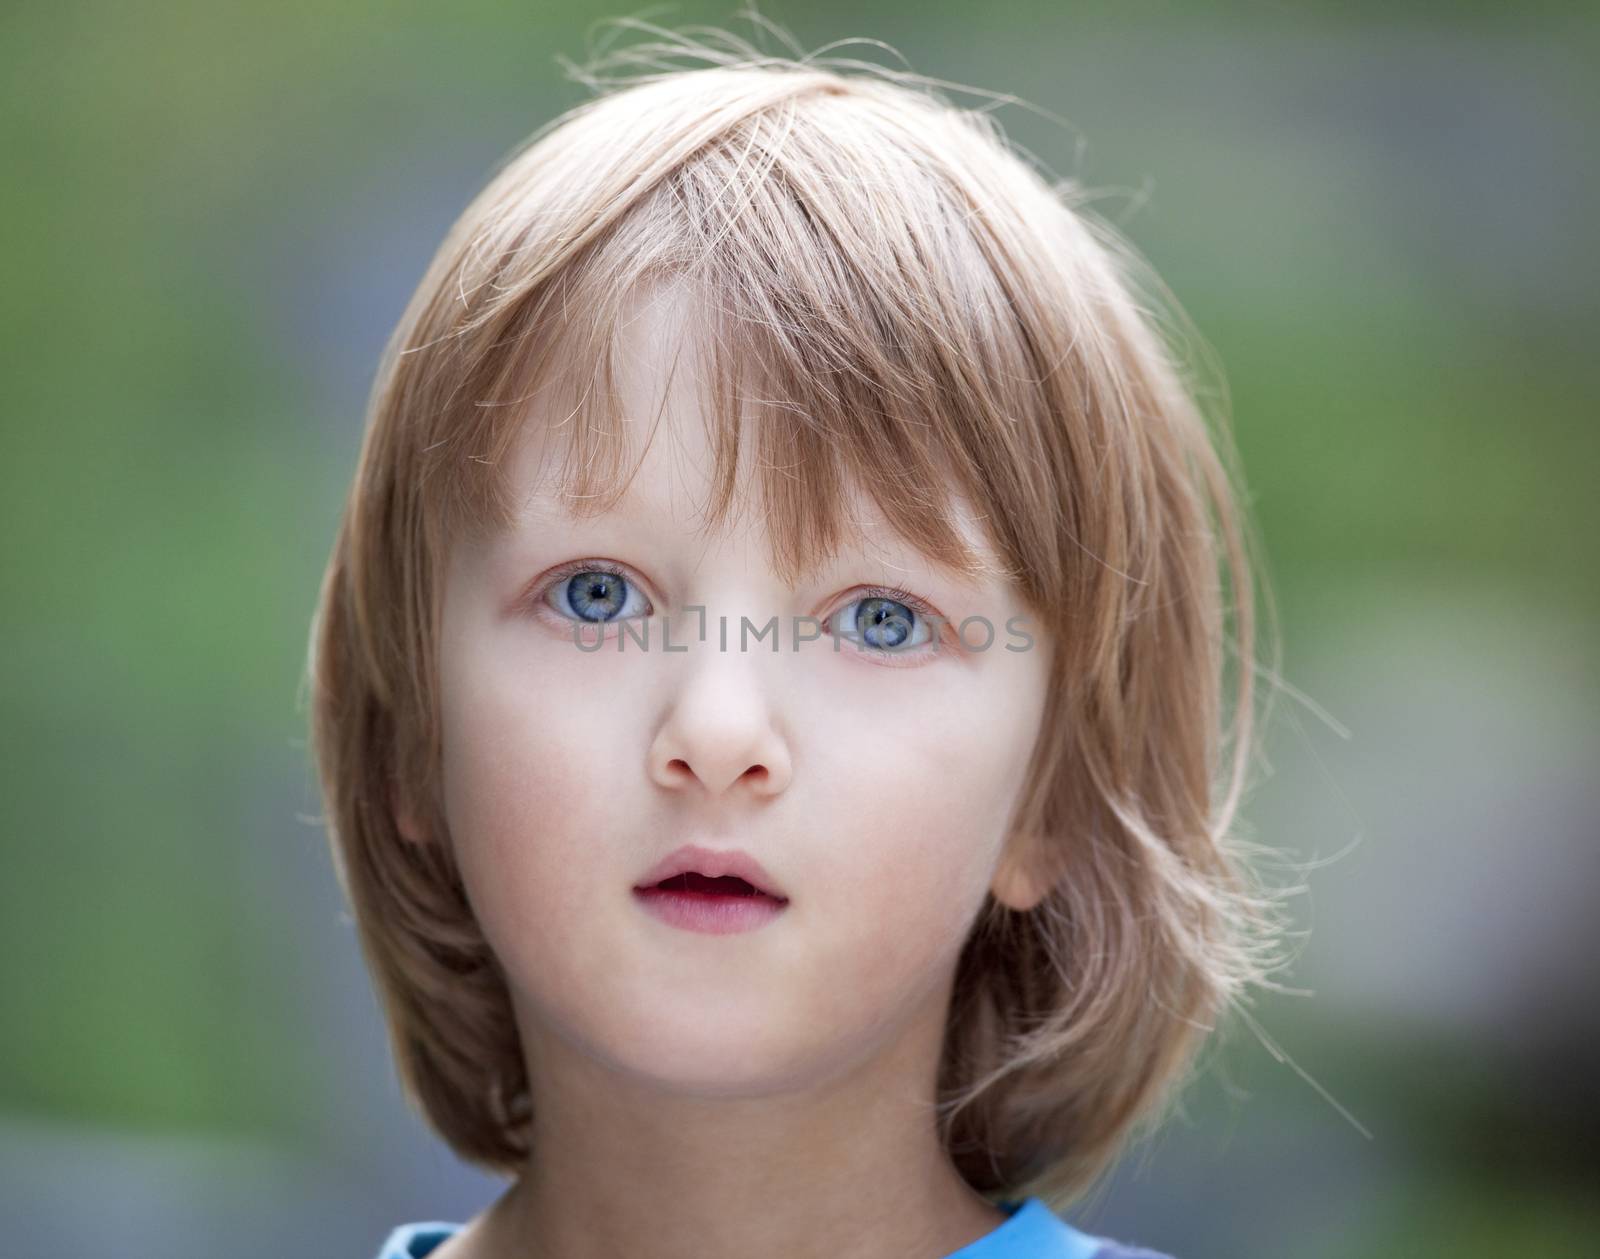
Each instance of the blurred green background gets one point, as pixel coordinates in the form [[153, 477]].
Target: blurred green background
[[1382, 219]]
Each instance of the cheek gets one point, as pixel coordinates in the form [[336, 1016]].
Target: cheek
[[914, 821], [901, 853], [523, 789]]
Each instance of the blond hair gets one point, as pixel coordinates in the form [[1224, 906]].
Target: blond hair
[[892, 298]]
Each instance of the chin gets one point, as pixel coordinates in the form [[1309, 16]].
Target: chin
[[694, 1049]]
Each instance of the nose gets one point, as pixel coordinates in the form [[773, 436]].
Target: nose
[[720, 731]]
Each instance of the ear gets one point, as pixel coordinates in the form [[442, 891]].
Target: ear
[[1022, 878], [405, 817]]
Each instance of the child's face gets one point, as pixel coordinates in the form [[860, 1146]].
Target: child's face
[[875, 794]]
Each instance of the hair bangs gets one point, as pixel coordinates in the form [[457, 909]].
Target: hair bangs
[[841, 366]]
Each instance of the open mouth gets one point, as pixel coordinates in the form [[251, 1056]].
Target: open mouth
[[692, 884], [715, 906]]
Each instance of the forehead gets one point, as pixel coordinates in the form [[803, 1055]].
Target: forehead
[[666, 497], [633, 436]]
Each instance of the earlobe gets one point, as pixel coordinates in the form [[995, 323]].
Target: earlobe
[[1020, 882], [405, 819]]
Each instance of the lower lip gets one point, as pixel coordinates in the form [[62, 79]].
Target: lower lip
[[710, 915]]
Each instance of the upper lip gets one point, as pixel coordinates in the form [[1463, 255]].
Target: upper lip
[[714, 863]]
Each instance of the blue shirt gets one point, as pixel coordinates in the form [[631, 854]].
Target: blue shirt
[[1031, 1231]]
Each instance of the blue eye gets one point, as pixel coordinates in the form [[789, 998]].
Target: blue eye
[[594, 593], [886, 621]]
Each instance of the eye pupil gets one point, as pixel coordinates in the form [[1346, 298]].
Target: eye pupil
[[597, 596], [887, 624]]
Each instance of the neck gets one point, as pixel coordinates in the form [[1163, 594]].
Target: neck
[[804, 1168]]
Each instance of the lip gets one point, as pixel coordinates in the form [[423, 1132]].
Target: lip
[[714, 863], [710, 915]]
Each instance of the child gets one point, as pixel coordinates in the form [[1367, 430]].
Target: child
[[796, 831]]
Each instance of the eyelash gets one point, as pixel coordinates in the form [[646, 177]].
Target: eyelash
[[568, 571], [918, 605]]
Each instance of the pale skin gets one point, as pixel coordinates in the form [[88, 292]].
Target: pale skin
[[771, 1092]]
